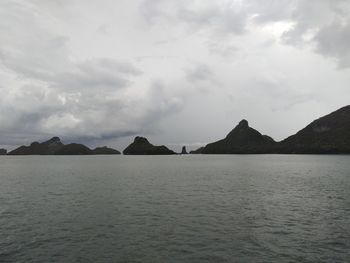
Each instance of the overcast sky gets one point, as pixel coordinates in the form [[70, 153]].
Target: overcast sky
[[180, 72]]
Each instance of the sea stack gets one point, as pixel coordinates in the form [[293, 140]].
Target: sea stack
[[3, 151], [184, 151], [141, 146]]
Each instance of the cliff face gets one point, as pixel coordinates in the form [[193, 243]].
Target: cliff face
[[328, 134], [241, 140], [141, 146]]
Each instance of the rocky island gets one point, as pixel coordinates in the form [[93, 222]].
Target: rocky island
[[141, 146], [45, 148], [54, 146], [104, 150], [241, 140], [327, 135]]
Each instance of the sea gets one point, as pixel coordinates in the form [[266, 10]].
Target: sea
[[183, 208]]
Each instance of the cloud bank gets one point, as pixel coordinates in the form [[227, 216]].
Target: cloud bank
[[177, 71]]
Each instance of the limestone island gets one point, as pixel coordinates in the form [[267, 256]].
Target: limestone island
[[329, 134], [54, 146], [141, 146]]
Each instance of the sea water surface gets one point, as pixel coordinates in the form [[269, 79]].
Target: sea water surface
[[194, 208]]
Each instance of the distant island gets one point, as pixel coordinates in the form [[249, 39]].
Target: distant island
[[141, 146], [329, 134], [54, 146], [242, 139]]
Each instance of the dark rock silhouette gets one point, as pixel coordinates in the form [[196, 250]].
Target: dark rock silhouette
[[54, 146], [74, 149], [241, 140], [198, 151], [105, 151], [184, 151], [45, 148], [328, 134], [141, 146]]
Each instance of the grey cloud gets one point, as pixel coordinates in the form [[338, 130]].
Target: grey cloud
[[223, 49], [60, 76], [270, 10], [204, 15], [96, 73], [160, 102], [278, 92], [49, 92], [323, 24], [27, 47], [201, 77], [200, 72], [101, 137], [227, 19], [334, 41]]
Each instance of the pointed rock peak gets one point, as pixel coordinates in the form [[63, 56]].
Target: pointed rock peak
[[54, 139], [139, 139], [243, 123]]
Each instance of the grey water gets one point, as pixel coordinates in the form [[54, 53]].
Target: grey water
[[234, 208]]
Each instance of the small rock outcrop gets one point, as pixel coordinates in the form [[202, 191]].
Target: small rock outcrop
[[141, 146], [184, 151], [104, 151], [3, 151]]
